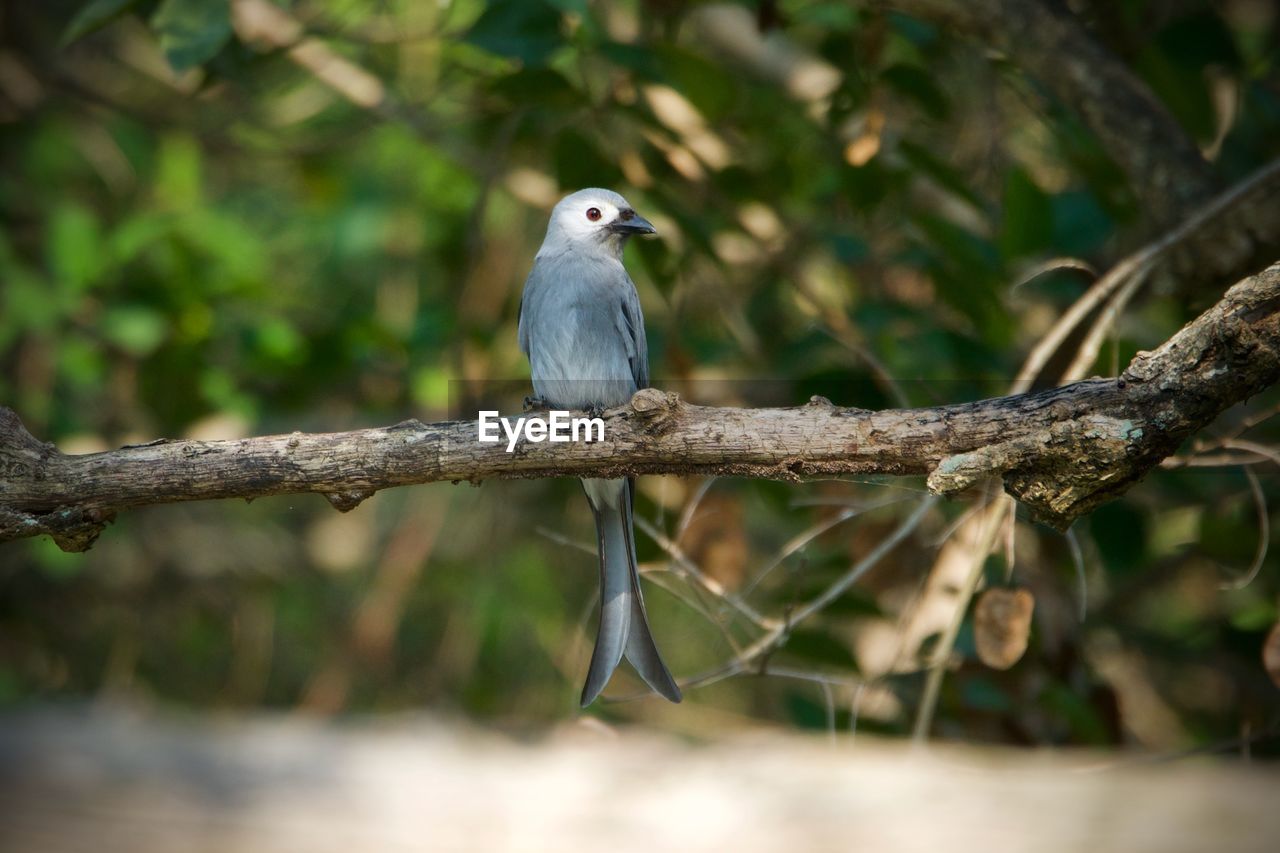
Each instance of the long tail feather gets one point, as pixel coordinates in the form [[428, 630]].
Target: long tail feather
[[641, 649], [624, 626]]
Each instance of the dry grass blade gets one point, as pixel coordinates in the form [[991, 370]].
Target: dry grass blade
[[1092, 344], [1053, 265], [1253, 447], [1121, 274], [992, 521], [1082, 584]]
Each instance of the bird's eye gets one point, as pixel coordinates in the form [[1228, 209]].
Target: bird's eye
[[593, 213]]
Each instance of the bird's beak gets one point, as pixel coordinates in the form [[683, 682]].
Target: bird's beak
[[631, 225]]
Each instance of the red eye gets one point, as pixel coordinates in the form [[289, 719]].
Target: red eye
[[593, 213]]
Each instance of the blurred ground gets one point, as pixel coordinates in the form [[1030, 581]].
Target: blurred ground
[[110, 780]]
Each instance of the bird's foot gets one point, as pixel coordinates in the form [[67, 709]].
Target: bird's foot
[[533, 403], [595, 410]]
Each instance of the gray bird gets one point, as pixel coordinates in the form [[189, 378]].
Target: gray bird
[[581, 327]]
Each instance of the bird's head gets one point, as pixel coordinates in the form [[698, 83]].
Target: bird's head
[[595, 220]]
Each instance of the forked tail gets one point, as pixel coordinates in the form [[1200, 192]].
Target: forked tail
[[624, 626]]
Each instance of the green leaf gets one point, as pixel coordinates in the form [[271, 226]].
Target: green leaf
[[430, 387], [1256, 615], [92, 17], [81, 363], [178, 176], [280, 341], [26, 306], [75, 248], [225, 239], [135, 329], [218, 387], [192, 32], [137, 234], [528, 30]]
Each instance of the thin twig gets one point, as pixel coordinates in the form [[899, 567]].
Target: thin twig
[[691, 507], [836, 589], [695, 573], [1213, 460], [879, 372], [829, 698], [776, 636], [561, 539], [1264, 535], [1082, 583], [796, 543], [662, 581]]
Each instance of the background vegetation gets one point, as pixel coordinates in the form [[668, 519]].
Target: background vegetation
[[220, 226]]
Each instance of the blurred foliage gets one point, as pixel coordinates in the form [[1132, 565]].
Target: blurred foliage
[[205, 236]]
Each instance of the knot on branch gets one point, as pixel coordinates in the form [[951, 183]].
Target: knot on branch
[[73, 529], [347, 500], [15, 440], [1059, 473], [656, 411]]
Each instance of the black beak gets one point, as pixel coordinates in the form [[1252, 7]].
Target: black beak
[[630, 223]]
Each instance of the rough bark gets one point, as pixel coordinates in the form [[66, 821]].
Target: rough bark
[[1061, 451]]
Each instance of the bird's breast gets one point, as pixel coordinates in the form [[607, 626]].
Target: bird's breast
[[578, 359]]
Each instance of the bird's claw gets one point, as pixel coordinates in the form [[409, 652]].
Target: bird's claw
[[595, 410], [533, 403]]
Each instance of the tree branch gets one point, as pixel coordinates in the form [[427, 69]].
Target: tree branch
[[1061, 451]]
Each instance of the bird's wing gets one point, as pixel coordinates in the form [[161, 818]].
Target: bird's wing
[[631, 327], [522, 328], [535, 291]]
